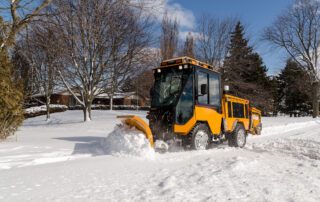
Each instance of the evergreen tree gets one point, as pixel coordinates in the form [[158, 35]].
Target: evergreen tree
[[277, 94], [245, 72], [238, 54], [295, 90], [11, 98], [11, 114]]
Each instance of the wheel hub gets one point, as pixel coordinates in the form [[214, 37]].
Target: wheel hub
[[201, 140], [241, 138]]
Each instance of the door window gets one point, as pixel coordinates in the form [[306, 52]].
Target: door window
[[214, 90], [202, 79]]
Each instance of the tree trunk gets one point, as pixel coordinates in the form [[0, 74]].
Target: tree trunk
[[48, 108], [315, 99], [86, 114], [111, 101], [89, 110]]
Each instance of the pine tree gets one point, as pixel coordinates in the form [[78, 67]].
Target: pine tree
[[238, 56], [295, 91], [11, 114], [277, 94], [245, 72]]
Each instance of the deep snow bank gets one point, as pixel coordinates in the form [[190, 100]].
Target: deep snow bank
[[125, 141]]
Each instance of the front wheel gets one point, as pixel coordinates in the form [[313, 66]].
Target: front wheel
[[200, 137], [238, 137]]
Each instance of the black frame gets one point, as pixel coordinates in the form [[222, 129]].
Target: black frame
[[193, 96]]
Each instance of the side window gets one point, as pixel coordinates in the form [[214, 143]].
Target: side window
[[214, 90], [202, 79], [238, 110], [229, 110]]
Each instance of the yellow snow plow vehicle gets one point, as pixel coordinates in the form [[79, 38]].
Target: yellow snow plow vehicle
[[189, 106]]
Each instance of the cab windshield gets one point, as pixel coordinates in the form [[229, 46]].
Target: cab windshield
[[168, 85]]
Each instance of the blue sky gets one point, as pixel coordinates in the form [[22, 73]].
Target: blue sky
[[255, 15]]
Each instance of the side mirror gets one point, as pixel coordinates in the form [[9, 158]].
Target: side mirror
[[226, 88], [204, 89]]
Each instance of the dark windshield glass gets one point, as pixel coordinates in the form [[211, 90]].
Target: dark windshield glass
[[167, 86]]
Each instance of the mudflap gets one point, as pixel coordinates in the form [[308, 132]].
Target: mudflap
[[139, 124]]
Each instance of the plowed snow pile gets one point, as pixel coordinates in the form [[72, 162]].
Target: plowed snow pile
[[125, 141]]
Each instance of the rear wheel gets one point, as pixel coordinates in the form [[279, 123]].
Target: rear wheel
[[238, 137], [200, 137]]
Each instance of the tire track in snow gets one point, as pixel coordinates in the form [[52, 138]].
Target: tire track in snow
[[278, 169], [300, 140], [243, 176]]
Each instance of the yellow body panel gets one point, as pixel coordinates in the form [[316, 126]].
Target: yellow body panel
[[256, 119], [230, 122], [201, 114], [211, 116]]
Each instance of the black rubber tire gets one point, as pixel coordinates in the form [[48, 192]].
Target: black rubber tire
[[238, 137], [195, 132]]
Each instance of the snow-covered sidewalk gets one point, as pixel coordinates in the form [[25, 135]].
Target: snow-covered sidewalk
[[67, 160]]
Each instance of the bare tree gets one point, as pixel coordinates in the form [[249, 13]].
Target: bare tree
[[297, 31], [142, 80], [129, 38], [21, 13], [169, 37], [189, 46], [213, 39], [43, 54], [101, 41]]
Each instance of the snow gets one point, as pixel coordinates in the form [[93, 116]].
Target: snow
[[123, 141], [68, 160], [43, 108]]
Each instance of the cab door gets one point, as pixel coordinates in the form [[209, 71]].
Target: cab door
[[208, 102]]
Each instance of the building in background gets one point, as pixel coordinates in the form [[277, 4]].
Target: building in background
[[120, 99]]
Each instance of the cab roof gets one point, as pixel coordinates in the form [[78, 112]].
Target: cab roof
[[185, 60], [233, 98]]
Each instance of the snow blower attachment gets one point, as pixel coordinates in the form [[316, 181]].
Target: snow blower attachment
[[188, 106], [139, 124]]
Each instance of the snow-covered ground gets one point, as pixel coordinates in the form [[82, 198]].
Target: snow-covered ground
[[68, 160]]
